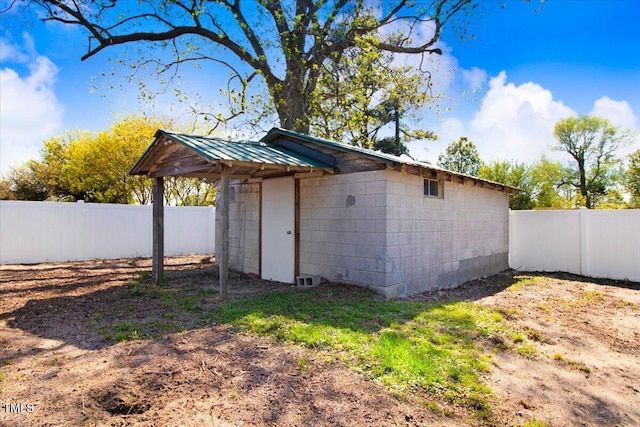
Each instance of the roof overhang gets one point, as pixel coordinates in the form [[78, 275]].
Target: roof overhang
[[173, 154]]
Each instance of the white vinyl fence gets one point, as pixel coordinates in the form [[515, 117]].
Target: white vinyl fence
[[33, 232], [595, 243]]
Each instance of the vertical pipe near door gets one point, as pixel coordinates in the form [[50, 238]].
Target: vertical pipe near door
[[158, 229], [224, 231]]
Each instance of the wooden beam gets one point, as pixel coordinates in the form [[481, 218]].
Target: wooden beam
[[224, 231], [158, 230], [301, 175]]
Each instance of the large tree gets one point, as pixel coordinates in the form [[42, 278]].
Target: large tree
[[592, 143], [283, 43]]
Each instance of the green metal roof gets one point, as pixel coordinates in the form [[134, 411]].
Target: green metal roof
[[274, 133], [213, 148]]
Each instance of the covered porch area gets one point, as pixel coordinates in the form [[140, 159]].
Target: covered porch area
[[223, 161]]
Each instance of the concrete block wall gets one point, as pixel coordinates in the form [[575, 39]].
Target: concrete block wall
[[343, 227], [244, 228], [441, 242]]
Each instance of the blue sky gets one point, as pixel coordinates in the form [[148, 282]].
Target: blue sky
[[527, 68]]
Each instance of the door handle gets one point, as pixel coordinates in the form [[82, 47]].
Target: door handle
[[288, 231]]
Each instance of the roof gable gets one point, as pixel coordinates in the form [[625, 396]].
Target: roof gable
[[177, 154]]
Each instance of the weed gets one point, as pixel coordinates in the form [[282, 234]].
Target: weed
[[126, 331], [1, 376], [534, 423], [7, 362], [189, 305], [145, 275], [135, 290], [573, 365], [577, 366], [517, 337], [544, 307], [527, 350], [303, 363], [535, 335]]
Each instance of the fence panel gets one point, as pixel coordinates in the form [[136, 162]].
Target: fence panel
[[32, 232], [596, 243]]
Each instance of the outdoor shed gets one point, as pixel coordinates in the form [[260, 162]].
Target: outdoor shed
[[300, 206]]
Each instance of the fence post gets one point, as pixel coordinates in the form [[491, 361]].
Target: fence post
[[584, 243]]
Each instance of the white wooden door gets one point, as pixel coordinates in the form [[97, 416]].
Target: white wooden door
[[278, 234]]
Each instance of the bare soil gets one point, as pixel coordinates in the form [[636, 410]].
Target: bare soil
[[61, 361]]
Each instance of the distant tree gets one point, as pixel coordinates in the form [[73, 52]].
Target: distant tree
[[632, 179], [592, 143], [24, 182], [94, 167], [281, 44], [515, 175], [461, 156], [550, 185]]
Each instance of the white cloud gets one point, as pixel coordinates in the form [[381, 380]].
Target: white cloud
[[475, 78], [29, 108], [516, 122], [619, 113]]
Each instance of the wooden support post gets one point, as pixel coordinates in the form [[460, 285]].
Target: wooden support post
[[224, 230], [158, 230]]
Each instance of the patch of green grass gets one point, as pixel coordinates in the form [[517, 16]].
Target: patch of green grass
[[544, 307], [517, 337], [523, 281], [126, 331], [303, 363], [527, 350], [189, 304], [572, 364], [7, 362], [536, 335], [135, 289], [1, 376], [534, 423], [402, 344], [559, 357], [145, 275]]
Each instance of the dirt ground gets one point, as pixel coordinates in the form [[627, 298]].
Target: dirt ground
[[61, 361]]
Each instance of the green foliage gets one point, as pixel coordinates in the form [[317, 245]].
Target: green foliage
[[360, 91], [512, 174], [94, 167], [404, 345], [591, 142], [278, 45], [632, 179], [461, 156]]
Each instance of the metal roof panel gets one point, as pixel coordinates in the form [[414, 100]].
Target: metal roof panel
[[213, 148]]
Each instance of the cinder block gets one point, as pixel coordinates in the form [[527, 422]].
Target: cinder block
[[307, 280]]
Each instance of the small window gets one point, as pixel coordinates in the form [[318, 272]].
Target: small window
[[431, 188]]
